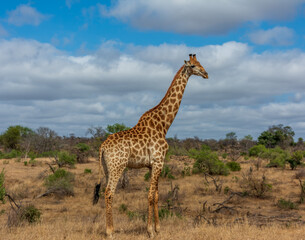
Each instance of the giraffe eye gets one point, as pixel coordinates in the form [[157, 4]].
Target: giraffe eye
[[192, 66]]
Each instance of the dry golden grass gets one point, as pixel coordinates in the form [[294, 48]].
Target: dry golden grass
[[76, 217]]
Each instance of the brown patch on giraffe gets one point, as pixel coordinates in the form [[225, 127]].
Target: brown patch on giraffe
[[151, 123], [172, 100]]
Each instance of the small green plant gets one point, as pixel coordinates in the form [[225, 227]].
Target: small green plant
[[33, 162], [25, 163], [207, 161], [66, 159], [165, 213], [233, 166], [224, 155], [2, 188], [286, 204], [20, 213], [295, 159], [123, 208], [257, 151], [60, 182], [83, 147], [12, 154], [131, 215], [147, 176], [87, 170], [31, 214], [186, 171], [226, 190], [166, 172]]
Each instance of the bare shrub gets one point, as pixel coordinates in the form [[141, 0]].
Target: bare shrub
[[28, 213], [255, 184]]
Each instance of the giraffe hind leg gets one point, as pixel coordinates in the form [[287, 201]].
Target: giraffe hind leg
[[113, 178]]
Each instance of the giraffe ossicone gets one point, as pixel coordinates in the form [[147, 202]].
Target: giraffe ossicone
[[144, 145]]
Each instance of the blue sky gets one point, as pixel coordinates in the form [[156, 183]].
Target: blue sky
[[69, 65]]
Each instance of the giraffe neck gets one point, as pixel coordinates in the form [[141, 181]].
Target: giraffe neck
[[161, 116]]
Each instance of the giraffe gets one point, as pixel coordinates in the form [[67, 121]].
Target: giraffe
[[144, 145]]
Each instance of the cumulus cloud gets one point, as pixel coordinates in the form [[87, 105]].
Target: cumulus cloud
[[246, 92], [25, 15], [3, 32], [277, 36], [198, 17]]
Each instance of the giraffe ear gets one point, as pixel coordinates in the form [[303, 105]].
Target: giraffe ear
[[187, 63]]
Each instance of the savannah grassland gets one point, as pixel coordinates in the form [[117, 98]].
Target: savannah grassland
[[194, 212]]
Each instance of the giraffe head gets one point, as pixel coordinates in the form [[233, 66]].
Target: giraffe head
[[194, 67]]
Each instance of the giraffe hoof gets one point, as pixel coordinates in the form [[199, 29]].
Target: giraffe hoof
[[150, 233]]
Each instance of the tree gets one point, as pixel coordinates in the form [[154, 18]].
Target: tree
[[248, 137], [117, 127], [12, 137], [96, 132], [277, 135], [45, 139], [231, 136]]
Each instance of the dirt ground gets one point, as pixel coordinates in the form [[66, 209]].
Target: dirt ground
[[193, 208]]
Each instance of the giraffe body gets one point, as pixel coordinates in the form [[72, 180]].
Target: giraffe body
[[144, 145]]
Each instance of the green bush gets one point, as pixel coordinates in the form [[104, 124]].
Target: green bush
[[177, 151], [48, 154], [186, 171], [147, 176], [123, 208], [166, 172], [286, 204], [83, 147], [66, 159], [2, 188], [12, 154], [233, 166], [295, 159], [207, 161], [277, 156], [31, 214], [257, 150], [165, 213], [87, 170], [61, 181]]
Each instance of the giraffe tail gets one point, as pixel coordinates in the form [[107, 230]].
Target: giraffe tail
[[96, 195]]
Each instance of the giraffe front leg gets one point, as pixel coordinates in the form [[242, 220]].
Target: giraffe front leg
[[152, 207], [156, 210]]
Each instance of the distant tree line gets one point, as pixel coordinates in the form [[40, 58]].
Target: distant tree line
[[43, 140]]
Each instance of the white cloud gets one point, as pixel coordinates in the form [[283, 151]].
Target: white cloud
[[198, 17], [25, 15], [3, 32], [277, 36], [246, 92]]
